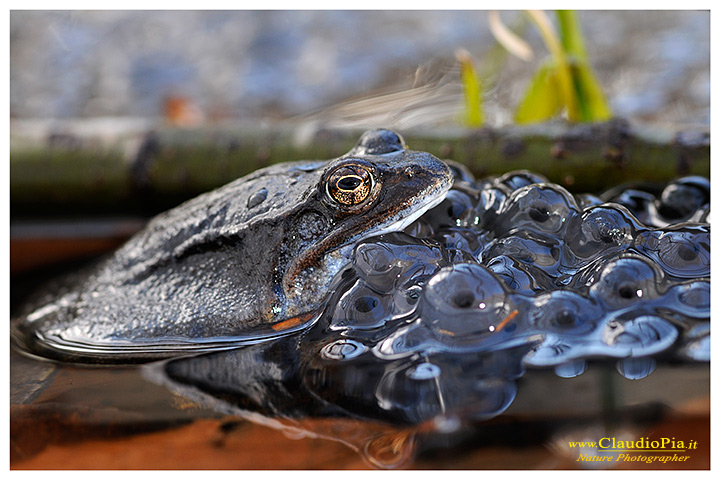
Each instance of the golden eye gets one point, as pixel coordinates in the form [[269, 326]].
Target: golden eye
[[350, 184]]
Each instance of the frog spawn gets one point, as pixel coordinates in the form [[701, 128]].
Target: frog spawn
[[514, 273], [432, 327]]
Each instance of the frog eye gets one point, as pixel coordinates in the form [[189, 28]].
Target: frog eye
[[350, 184]]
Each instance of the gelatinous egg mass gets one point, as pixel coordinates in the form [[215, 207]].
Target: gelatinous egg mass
[[519, 264], [436, 324]]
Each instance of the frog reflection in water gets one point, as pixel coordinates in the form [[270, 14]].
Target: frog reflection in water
[[247, 262]]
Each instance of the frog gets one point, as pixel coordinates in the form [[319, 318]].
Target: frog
[[245, 263]]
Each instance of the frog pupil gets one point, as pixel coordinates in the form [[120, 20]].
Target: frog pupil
[[349, 182]]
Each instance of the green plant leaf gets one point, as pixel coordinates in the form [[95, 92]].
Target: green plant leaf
[[591, 100], [561, 65], [472, 90], [542, 99], [566, 81]]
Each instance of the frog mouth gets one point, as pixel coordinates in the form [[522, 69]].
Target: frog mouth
[[402, 219], [333, 253]]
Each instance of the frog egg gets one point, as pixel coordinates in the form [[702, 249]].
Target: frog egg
[[586, 200], [406, 297], [641, 336], [519, 276], [406, 341], [420, 228], [521, 178], [461, 173], [626, 281], [490, 199], [454, 255], [567, 312], [555, 350], [689, 299], [682, 252], [361, 308], [682, 198], [636, 201], [462, 239], [696, 295], [385, 264], [463, 301], [489, 398], [638, 337], [543, 208], [372, 258], [464, 286], [604, 229], [456, 210], [543, 252]]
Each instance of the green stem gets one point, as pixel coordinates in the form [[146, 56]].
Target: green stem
[[564, 75], [571, 34], [472, 90]]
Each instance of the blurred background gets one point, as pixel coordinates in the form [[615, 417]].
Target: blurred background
[[124, 114], [208, 66]]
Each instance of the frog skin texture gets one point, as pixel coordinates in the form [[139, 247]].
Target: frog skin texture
[[242, 264]]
